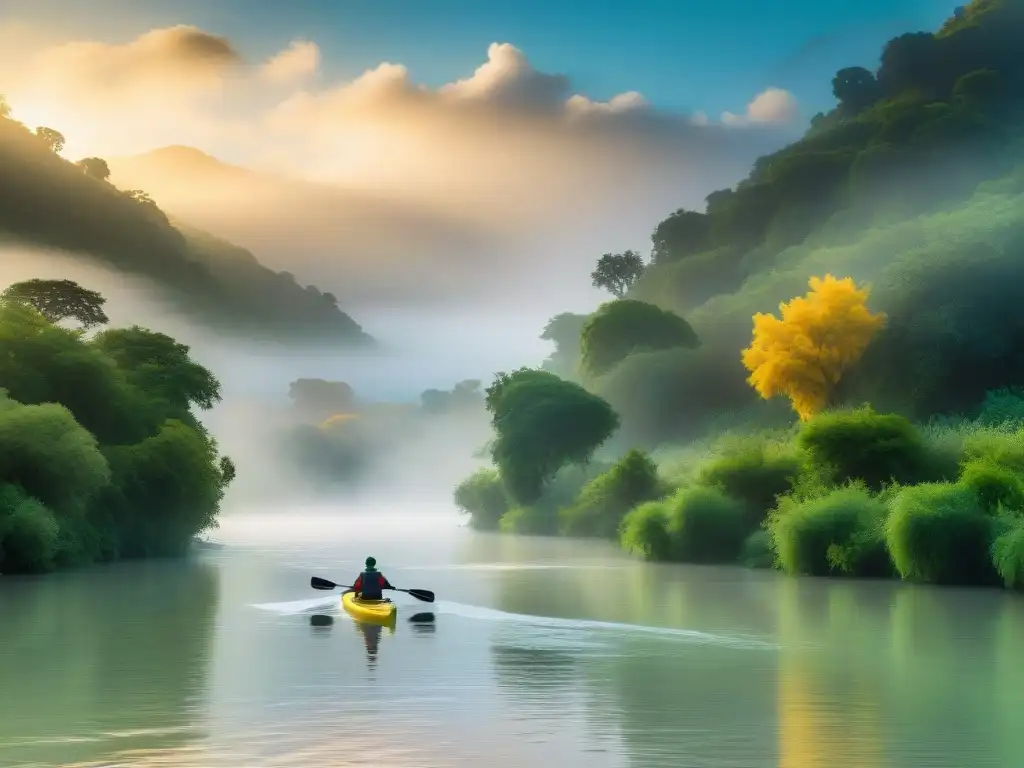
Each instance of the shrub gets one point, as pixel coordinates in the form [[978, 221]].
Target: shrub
[[758, 551], [939, 533], [620, 328], [838, 532], [863, 445], [604, 501], [541, 517], [50, 455], [645, 531], [753, 476], [482, 497], [530, 520], [29, 533], [1000, 446], [706, 526], [1008, 554], [995, 485], [1002, 406], [174, 476]]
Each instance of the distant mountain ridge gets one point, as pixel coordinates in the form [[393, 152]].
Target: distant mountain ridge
[[369, 246], [49, 201]]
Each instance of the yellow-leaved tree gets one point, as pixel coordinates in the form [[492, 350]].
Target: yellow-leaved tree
[[804, 354]]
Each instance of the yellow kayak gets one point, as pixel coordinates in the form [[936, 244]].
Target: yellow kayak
[[371, 611]]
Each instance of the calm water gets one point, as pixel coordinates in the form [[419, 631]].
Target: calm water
[[541, 653]]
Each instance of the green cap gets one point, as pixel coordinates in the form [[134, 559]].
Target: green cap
[[371, 563]]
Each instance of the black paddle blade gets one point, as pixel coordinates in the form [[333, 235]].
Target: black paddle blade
[[317, 583], [421, 594]]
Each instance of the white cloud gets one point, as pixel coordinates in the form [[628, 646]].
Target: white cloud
[[297, 63], [507, 151], [178, 60], [773, 106]]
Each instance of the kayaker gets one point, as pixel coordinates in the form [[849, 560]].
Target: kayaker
[[370, 584]]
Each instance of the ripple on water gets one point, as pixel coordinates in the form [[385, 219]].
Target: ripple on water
[[575, 626]]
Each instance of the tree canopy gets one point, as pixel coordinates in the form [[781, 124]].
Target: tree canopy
[[624, 327], [100, 456], [58, 300], [95, 167], [617, 272], [804, 353], [53, 139], [542, 423]]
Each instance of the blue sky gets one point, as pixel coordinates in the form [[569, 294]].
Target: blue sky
[[686, 55]]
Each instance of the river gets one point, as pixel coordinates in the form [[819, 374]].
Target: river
[[541, 652]]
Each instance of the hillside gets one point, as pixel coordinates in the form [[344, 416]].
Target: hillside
[[367, 245], [940, 113], [885, 189], [872, 426], [49, 201]]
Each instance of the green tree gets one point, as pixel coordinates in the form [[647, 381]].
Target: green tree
[[58, 300], [543, 423], [161, 367], [855, 88], [982, 88], [617, 272], [682, 234], [45, 363], [482, 497], [5, 108], [165, 490], [95, 167], [53, 139], [621, 328], [139, 196], [564, 330], [605, 500]]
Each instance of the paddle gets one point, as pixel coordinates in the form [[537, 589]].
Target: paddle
[[420, 594]]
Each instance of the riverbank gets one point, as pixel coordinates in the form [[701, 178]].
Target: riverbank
[[847, 493], [110, 461]]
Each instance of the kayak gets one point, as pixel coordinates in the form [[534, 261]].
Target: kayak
[[372, 611]]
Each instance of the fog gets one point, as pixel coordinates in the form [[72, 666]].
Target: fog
[[392, 249], [450, 221], [421, 349]]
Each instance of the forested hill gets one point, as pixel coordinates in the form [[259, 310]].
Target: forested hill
[[912, 185], [46, 200], [941, 112]]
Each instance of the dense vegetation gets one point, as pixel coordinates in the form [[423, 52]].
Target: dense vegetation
[[767, 450], [46, 200], [101, 456]]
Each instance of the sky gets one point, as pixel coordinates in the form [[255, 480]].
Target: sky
[[682, 54], [444, 147]]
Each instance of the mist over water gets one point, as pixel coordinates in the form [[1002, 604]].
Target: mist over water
[[424, 346]]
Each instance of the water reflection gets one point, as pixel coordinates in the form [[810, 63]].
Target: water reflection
[[828, 700], [106, 660], [371, 639], [321, 621], [423, 623]]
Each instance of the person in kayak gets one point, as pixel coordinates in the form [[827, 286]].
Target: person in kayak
[[371, 583]]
